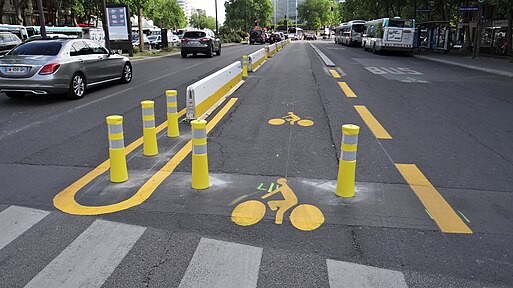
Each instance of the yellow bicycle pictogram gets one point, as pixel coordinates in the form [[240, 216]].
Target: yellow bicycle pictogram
[[304, 217], [292, 119]]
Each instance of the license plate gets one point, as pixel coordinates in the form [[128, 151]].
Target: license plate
[[15, 70]]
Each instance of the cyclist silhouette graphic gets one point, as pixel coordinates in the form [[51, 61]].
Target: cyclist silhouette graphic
[[304, 217]]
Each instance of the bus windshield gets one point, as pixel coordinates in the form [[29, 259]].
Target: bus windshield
[[400, 23], [358, 28]]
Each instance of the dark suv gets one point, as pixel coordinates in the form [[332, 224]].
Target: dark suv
[[8, 41], [200, 41], [257, 36]]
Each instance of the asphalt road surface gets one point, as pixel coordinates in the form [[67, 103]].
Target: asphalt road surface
[[432, 205]]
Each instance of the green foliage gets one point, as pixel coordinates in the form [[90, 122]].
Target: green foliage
[[203, 21], [230, 36], [241, 15], [166, 13], [317, 13]]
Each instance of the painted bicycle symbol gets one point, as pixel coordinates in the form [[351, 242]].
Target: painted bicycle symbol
[[292, 119], [304, 217]]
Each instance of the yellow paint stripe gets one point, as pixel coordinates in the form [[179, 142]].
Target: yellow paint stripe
[[334, 73], [373, 124], [347, 90], [65, 200], [443, 214]]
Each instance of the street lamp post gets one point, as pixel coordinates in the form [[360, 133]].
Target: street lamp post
[[217, 25]]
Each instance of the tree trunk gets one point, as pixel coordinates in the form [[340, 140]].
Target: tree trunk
[[414, 9], [141, 33], [510, 33], [2, 2]]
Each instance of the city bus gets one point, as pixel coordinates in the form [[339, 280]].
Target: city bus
[[389, 34], [295, 33], [338, 33], [351, 33], [18, 30]]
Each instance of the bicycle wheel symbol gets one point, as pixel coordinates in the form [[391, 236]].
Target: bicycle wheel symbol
[[304, 217], [276, 121], [292, 119]]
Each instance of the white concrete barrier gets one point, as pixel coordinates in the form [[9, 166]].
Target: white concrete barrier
[[272, 50], [256, 59], [204, 94]]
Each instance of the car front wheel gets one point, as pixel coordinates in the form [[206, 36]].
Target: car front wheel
[[77, 87], [127, 74], [218, 52]]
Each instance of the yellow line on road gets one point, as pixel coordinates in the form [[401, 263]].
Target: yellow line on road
[[443, 214], [373, 124], [334, 73], [65, 200], [347, 90]]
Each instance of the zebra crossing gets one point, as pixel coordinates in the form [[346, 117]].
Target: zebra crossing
[[50, 249]]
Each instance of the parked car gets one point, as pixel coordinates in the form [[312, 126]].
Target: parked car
[[310, 37], [60, 66], [257, 36], [275, 37], [135, 40], [200, 41], [155, 41], [8, 41]]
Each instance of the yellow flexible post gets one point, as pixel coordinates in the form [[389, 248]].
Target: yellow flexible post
[[149, 131], [117, 155], [245, 66], [347, 163], [199, 155], [172, 114]]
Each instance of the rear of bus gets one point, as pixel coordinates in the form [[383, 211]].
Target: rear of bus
[[357, 29], [398, 34]]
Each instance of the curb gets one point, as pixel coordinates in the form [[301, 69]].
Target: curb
[[492, 71], [327, 61]]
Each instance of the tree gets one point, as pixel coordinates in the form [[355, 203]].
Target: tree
[[203, 21], [167, 14], [242, 14], [316, 13]]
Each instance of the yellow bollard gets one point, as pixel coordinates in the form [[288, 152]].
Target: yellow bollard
[[347, 163], [244, 66], [199, 155], [266, 54], [117, 154], [149, 131], [172, 114]]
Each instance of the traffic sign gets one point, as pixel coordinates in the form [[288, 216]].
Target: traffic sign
[[469, 8]]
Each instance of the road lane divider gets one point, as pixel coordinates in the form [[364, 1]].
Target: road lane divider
[[272, 50], [200, 179], [208, 93], [334, 73], [373, 124], [347, 162], [172, 114], [441, 211], [65, 200], [117, 152], [256, 59], [347, 90], [150, 147]]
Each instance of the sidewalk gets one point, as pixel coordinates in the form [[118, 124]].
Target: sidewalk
[[486, 64]]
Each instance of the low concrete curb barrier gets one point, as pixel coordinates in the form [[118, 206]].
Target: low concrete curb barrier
[[202, 95], [256, 59]]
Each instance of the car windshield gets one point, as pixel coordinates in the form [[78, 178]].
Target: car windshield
[[37, 48], [194, 34]]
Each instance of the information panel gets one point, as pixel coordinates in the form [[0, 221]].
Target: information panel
[[117, 23]]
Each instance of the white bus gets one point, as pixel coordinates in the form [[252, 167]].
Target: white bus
[[18, 30], [392, 34], [351, 33], [338, 33]]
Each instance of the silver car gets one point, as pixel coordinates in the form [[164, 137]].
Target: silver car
[[60, 66], [200, 41]]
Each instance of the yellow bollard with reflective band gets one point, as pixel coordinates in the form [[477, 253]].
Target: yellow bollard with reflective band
[[149, 130], [199, 155], [245, 62], [347, 163], [266, 54], [117, 155], [172, 114]]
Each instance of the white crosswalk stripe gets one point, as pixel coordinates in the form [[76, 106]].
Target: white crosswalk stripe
[[99, 250], [15, 220], [91, 258], [345, 274], [223, 264]]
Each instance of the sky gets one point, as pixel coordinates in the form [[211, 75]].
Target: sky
[[209, 6]]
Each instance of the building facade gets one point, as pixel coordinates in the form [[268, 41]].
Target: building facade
[[285, 7], [186, 7]]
